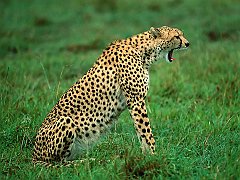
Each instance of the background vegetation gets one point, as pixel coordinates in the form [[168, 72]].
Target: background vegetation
[[193, 103]]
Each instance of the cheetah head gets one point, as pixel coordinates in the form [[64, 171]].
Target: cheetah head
[[167, 39]]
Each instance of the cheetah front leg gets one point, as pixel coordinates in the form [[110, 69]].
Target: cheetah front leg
[[134, 84], [138, 112]]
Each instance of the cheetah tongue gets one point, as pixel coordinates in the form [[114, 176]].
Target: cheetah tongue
[[170, 58]]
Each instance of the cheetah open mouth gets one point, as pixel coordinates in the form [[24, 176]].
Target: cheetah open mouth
[[169, 56]]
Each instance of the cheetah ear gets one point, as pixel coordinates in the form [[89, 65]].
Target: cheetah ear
[[155, 32]]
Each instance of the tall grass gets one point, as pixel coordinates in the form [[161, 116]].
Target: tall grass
[[193, 103]]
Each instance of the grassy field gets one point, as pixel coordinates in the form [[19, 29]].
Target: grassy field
[[193, 103]]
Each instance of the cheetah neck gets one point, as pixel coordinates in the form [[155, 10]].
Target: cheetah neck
[[144, 45]]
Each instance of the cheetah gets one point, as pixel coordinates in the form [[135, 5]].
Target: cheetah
[[119, 79]]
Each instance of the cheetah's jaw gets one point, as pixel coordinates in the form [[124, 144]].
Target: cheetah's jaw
[[169, 56]]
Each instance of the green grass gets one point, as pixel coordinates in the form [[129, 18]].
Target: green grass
[[193, 103]]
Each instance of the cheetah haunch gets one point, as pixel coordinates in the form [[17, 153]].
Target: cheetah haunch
[[118, 79]]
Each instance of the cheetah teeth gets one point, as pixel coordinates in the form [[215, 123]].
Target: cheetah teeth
[[169, 56]]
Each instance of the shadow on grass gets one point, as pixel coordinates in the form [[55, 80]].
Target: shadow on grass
[[146, 166]]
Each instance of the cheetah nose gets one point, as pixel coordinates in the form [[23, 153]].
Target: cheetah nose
[[187, 44]]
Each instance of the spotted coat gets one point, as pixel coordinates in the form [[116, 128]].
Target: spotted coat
[[119, 79]]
